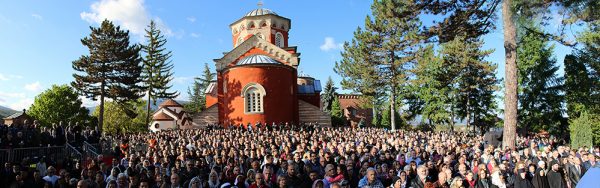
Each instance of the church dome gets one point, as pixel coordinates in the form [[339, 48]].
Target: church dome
[[257, 59], [260, 12]]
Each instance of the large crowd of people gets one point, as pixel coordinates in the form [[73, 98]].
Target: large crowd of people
[[314, 157], [31, 134]]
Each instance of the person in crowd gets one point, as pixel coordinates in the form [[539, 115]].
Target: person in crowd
[[300, 157]]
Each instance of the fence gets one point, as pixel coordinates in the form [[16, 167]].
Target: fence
[[33, 154], [89, 151], [4, 155]]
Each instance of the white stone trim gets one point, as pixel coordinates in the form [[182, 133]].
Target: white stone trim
[[253, 95], [254, 41]]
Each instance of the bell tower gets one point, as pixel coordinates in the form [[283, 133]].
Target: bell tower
[[264, 23]]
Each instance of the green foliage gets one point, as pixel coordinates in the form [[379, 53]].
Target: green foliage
[[328, 95], [457, 82], [386, 118], [476, 82], [111, 70], [578, 86], [337, 114], [117, 120], [585, 130], [197, 97], [431, 88], [157, 68], [376, 60], [541, 89], [59, 103]]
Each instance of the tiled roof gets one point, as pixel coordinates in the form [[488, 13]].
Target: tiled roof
[[257, 59], [170, 103], [260, 12], [162, 117], [15, 115]]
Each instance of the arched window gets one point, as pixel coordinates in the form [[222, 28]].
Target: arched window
[[279, 40], [253, 95]]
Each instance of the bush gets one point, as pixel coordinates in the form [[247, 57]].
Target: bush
[[584, 130]]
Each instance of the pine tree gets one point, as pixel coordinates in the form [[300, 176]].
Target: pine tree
[[379, 55], [328, 95], [111, 70], [539, 85], [157, 68], [337, 115], [197, 97], [578, 86], [430, 87], [476, 81]]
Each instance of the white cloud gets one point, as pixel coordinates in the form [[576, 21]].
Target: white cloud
[[87, 102], [195, 35], [36, 86], [330, 44], [191, 19], [37, 16], [131, 14]]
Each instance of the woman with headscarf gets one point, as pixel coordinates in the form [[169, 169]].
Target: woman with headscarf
[[498, 180], [213, 180], [540, 178], [195, 183], [521, 180], [113, 174]]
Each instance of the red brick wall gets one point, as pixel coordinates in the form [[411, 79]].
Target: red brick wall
[[280, 103], [353, 101]]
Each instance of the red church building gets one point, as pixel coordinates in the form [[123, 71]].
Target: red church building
[[258, 80]]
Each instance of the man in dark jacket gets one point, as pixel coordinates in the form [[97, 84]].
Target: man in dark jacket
[[576, 171], [421, 178], [555, 178]]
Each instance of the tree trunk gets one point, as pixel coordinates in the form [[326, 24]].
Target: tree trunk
[[451, 118], [374, 114], [468, 113], [101, 114], [148, 107], [393, 101], [510, 83], [393, 108]]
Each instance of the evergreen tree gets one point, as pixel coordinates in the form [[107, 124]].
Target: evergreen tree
[[156, 72], [111, 70], [578, 86], [337, 114], [475, 83], [379, 55], [431, 88], [540, 87], [328, 95], [59, 103], [197, 97]]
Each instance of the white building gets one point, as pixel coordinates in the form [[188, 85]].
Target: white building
[[170, 115]]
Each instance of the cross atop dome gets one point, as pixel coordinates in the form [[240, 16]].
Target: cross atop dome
[[260, 4]]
